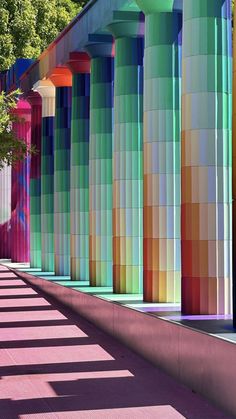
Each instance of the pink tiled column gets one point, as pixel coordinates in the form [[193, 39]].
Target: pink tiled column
[[20, 239], [5, 212]]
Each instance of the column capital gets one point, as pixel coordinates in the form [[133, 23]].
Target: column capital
[[47, 91], [45, 88], [127, 24], [60, 77], [100, 46], [155, 6], [23, 110], [79, 62], [34, 98], [216, 9]]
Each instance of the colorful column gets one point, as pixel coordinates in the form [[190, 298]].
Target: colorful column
[[162, 96], [47, 91], [62, 80], [206, 157], [5, 213], [128, 31], [79, 65], [234, 172], [20, 182], [100, 160], [35, 180]]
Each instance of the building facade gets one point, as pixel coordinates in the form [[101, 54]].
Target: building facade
[[130, 109]]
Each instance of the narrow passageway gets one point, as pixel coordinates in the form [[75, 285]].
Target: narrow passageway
[[54, 364]]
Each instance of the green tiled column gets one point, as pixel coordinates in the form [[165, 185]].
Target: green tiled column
[[100, 161], [206, 218], [47, 92], [128, 30], [162, 130], [79, 64]]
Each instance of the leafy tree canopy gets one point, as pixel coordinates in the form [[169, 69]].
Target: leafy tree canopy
[[27, 27]]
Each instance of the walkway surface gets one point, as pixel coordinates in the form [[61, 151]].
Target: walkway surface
[[54, 364]]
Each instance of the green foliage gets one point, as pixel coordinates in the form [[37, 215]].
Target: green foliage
[[27, 27], [12, 149]]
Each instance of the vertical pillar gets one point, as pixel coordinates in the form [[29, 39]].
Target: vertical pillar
[[206, 157], [35, 180], [162, 94], [234, 172], [128, 153], [100, 161], [62, 80], [79, 65], [5, 212], [20, 188], [47, 91]]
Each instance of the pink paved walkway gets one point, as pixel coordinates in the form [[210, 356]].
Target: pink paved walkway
[[54, 364]]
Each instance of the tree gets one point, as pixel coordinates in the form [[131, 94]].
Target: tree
[[12, 149], [27, 27]]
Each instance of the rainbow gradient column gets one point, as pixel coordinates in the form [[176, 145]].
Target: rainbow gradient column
[[234, 172], [35, 180], [206, 157], [47, 91], [100, 160], [128, 30], [20, 183], [62, 80], [162, 96], [79, 65]]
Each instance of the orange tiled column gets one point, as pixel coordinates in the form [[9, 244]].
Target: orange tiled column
[[62, 80]]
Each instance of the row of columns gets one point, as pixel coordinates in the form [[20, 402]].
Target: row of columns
[[126, 199]]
